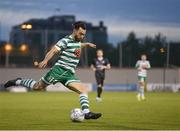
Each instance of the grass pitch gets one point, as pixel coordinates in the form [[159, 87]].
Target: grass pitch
[[42, 110]]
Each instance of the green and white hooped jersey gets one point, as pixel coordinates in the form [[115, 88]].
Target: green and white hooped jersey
[[142, 72], [70, 53]]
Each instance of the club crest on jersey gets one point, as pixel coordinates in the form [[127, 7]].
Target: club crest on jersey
[[100, 62], [77, 52]]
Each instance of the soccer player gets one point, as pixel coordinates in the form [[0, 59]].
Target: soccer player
[[99, 65], [142, 66], [69, 51]]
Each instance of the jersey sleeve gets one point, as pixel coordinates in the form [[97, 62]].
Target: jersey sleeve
[[61, 44], [107, 61], [137, 64], [149, 65]]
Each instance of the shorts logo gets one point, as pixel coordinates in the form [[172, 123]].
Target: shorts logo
[[77, 52], [50, 78]]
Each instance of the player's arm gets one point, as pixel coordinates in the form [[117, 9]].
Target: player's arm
[[148, 65], [60, 45], [48, 56], [137, 66], [106, 67], [88, 45], [93, 67]]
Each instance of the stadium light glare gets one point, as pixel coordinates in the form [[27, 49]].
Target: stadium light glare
[[162, 50], [23, 26], [26, 26], [23, 48], [8, 47]]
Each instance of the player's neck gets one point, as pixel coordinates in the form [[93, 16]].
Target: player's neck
[[100, 58]]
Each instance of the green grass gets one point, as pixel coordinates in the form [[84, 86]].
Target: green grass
[[42, 110]]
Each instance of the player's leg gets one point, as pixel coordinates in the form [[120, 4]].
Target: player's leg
[[32, 84], [99, 88], [83, 98], [100, 83], [28, 83], [79, 88], [40, 85], [141, 89]]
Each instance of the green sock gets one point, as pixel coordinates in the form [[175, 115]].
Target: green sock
[[83, 98]]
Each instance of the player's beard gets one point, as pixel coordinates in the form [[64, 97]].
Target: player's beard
[[77, 39]]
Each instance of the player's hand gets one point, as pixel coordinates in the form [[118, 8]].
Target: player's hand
[[36, 63], [94, 69], [91, 45], [144, 66], [102, 67], [42, 64]]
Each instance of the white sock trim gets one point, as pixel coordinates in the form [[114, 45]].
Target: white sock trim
[[32, 84], [18, 82], [83, 94], [85, 111]]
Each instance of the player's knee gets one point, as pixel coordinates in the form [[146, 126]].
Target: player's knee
[[38, 86], [141, 83], [84, 91], [100, 85], [35, 86]]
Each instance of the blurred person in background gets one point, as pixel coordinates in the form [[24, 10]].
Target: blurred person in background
[[142, 66], [99, 65]]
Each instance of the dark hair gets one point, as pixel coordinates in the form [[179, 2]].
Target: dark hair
[[143, 54], [79, 24], [99, 50]]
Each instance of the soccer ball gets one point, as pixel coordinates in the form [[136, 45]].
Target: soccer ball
[[77, 115]]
